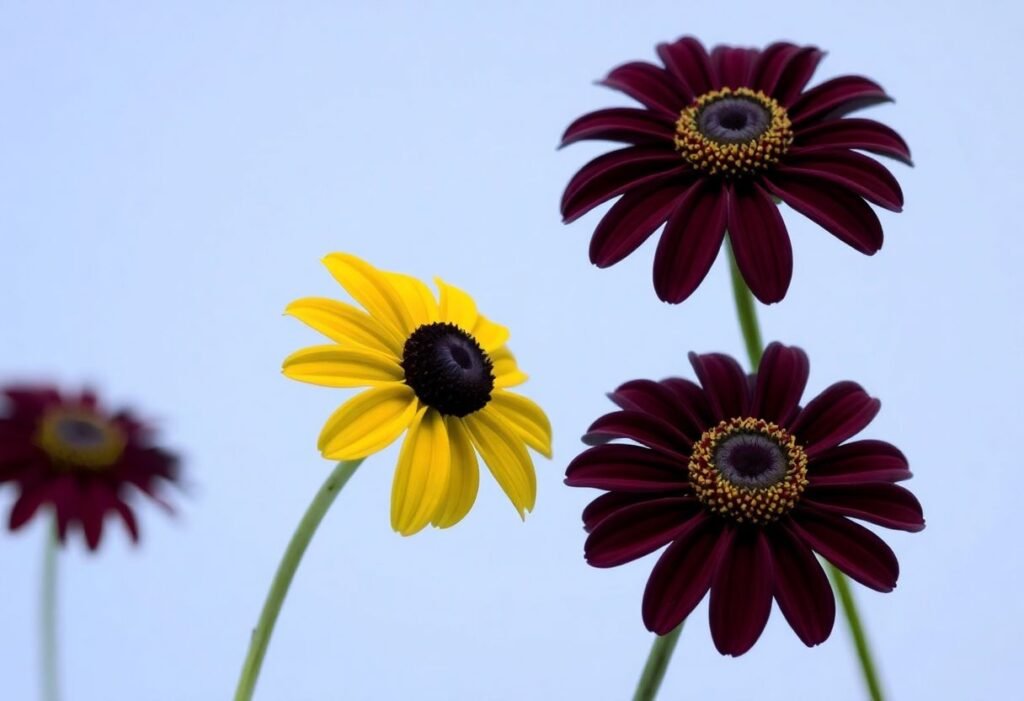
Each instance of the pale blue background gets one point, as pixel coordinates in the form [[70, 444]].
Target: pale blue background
[[170, 177]]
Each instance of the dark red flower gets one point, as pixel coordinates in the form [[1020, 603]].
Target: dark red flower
[[744, 485], [69, 453], [719, 136]]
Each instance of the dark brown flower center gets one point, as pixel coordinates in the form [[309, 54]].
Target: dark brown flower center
[[748, 469], [733, 132], [448, 369], [78, 438]]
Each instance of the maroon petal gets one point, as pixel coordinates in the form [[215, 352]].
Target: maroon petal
[[858, 462], [887, 505], [688, 61], [649, 85], [851, 547], [801, 588], [659, 400], [725, 384], [611, 174], [741, 592], [863, 134], [643, 428], [626, 468], [733, 66], [690, 242], [781, 379], [784, 69], [626, 124], [837, 97], [682, 575], [842, 410], [128, 518], [759, 241], [64, 494], [837, 210], [854, 171], [27, 504], [638, 530], [607, 504], [692, 399], [92, 509], [29, 402], [630, 222]]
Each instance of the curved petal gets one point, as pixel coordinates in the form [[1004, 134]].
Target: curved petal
[[371, 288], [688, 61], [344, 324], [368, 422], [659, 400], [506, 371], [858, 462], [733, 66], [525, 418], [781, 380], [418, 298], [26, 505], [489, 335], [725, 384], [691, 399], [607, 504], [741, 592], [842, 410], [421, 478], [840, 212], [638, 530], [682, 575], [630, 222], [691, 241], [883, 504], [861, 134], [626, 468], [848, 169], [464, 480], [760, 241], [649, 85], [836, 97], [335, 366], [506, 457], [456, 307], [624, 124], [614, 173], [801, 588], [851, 547], [640, 427], [783, 70]]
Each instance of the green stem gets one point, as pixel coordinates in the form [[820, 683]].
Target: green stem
[[286, 572], [657, 663], [747, 313], [48, 615]]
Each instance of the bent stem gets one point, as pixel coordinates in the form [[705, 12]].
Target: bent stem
[[48, 616], [746, 311], [286, 572], [657, 663]]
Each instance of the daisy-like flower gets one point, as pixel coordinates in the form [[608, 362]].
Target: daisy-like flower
[[744, 486], [81, 460], [438, 371], [719, 136]]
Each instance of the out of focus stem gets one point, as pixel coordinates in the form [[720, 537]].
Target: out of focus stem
[[286, 572], [746, 311], [657, 663], [48, 616]]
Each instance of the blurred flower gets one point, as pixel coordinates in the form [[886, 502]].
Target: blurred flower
[[744, 485], [719, 136], [66, 451], [436, 369]]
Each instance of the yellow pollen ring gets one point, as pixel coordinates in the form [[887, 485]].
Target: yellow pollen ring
[[732, 159], [99, 442], [758, 505]]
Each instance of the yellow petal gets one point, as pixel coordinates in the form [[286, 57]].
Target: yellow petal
[[345, 324], [417, 297], [368, 422], [334, 366], [526, 418], [465, 476], [489, 335], [456, 307], [372, 289], [506, 372], [421, 478], [506, 457]]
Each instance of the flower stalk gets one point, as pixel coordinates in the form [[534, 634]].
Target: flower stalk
[[48, 616], [657, 663]]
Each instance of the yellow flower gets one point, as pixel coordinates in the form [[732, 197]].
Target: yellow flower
[[437, 370]]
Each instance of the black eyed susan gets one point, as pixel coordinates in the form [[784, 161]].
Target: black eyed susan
[[436, 370]]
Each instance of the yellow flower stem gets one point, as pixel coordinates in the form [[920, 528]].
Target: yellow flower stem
[[286, 572], [657, 663], [747, 313], [48, 615]]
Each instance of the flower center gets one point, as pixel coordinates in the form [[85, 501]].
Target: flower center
[[78, 438], [733, 132], [748, 469], [448, 369]]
